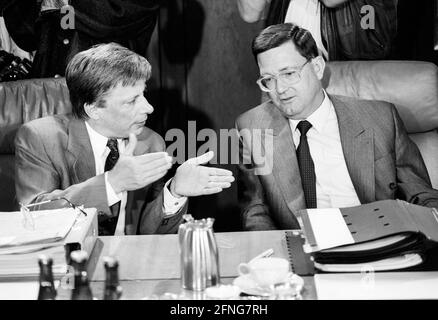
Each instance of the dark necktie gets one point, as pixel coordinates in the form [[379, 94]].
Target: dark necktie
[[113, 156], [307, 168], [108, 224]]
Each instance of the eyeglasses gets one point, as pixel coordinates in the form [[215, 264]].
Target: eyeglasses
[[289, 77], [28, 220]]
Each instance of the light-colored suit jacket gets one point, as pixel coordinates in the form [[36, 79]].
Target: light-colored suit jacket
[[382, 161], [54, 159]]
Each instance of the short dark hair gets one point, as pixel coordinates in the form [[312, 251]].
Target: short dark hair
[[91, 73], [278, 34]]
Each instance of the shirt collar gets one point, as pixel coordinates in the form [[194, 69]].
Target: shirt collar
[[319, 117], [98, 141]]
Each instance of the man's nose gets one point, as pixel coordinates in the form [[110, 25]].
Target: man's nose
[[280, 86], [147, 107]]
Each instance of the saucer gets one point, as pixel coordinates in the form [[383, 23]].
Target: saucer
[[249, 286], [223, 292]]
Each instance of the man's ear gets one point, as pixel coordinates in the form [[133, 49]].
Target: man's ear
[[92, 111], [319, 66]]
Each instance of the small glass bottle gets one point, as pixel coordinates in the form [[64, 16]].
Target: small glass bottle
[[113, 290], [81, 290], [47, 289]]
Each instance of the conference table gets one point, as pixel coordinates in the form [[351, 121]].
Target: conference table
[[149, 268]]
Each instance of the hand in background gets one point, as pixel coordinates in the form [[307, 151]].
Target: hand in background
[[134, 172], [192, 179]]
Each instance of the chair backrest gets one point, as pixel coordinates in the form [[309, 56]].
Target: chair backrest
[[412, 86], [20, 102]]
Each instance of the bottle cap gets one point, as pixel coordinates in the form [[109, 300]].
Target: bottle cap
[[110, 262], [79, 256], [44, 259]]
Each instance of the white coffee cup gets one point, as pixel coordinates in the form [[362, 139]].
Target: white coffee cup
[[266, 271]]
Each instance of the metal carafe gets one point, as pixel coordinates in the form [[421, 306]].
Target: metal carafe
[[199, 254]]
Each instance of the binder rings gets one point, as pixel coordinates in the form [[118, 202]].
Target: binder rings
[[300, 261], [385, 235]]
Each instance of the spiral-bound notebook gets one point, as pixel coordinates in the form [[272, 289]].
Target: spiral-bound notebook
[[300, 261]]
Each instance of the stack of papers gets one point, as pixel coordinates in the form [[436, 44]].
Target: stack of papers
[[21, 245], [48, 226], [19, 265]]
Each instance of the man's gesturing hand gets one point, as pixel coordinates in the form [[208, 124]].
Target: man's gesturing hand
[[191, 179], [134, 172]]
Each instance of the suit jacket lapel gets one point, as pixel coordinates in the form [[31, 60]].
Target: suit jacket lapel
[[82, 165], [285, 165], [79, 152], [358, 147]]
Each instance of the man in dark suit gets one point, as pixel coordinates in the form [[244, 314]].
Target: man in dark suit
[[321, 151], [103, 156]]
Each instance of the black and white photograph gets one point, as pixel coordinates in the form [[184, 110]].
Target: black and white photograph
[[218, 157]]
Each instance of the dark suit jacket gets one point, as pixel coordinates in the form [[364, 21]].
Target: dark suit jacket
[[382, 161], [54, 158]]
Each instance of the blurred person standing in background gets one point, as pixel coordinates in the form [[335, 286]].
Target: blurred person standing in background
[[342, 29], [58, 29]]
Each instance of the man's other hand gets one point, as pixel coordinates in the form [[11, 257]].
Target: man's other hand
[[134, 172], [192, 179]]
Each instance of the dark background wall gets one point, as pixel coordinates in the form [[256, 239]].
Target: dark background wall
[[203, 70], [417, 30]]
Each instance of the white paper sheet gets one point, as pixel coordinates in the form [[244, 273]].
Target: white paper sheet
[[329, 228], [372, 244]]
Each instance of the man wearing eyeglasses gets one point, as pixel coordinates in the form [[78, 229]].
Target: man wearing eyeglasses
[[327, 151], [104, 157]]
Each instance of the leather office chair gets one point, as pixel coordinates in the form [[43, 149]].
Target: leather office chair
[[20, 102], [412, 86]]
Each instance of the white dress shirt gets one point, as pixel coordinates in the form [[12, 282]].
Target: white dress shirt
[[171, 205], [334, 188], [307, 14]]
